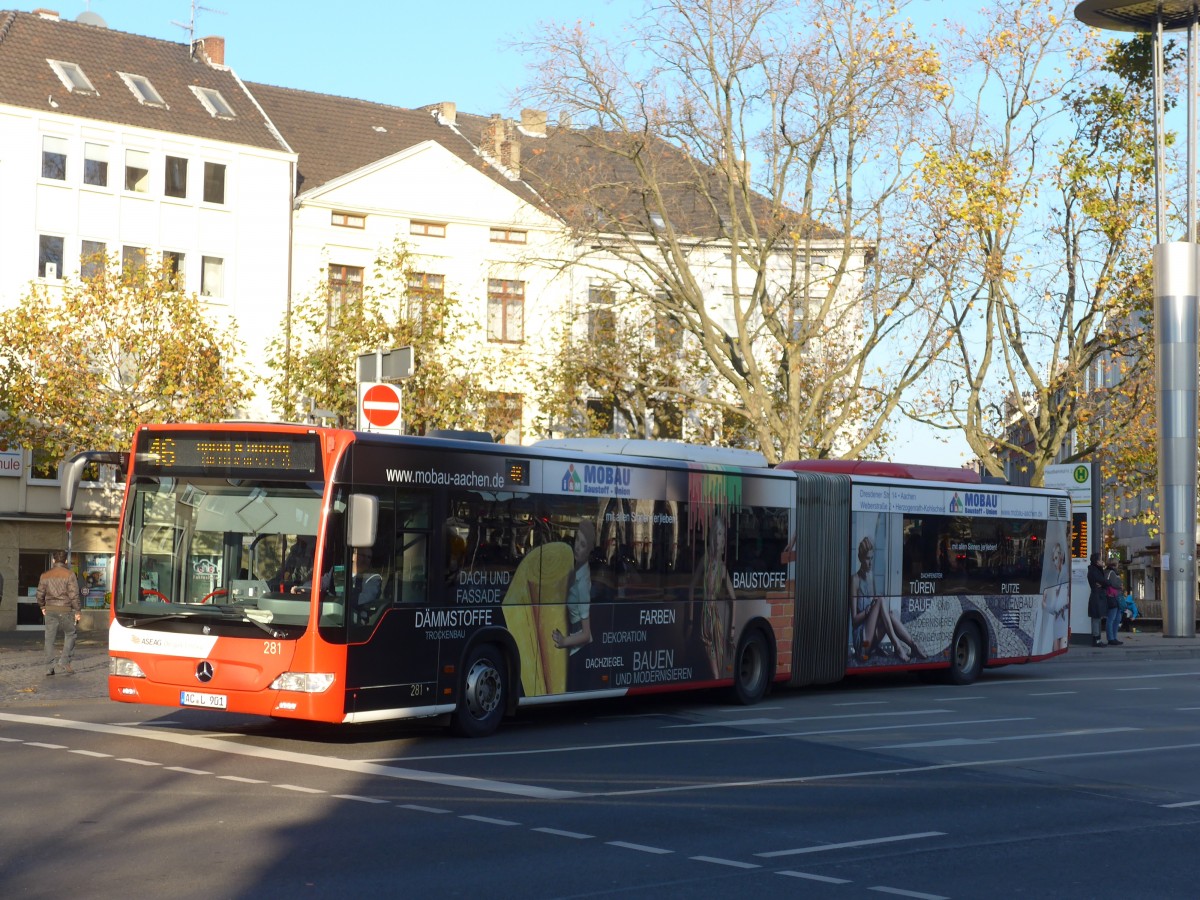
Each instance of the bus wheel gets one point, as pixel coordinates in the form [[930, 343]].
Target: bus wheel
[[482, 694], [751, 676], [966, 654]]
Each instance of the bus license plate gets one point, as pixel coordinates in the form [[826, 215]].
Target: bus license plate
[[208, 701]]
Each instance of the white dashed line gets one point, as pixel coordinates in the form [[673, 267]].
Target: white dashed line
[[186, 771], [808, 875], [428, 809], [821, 848], [642, 848], [360, 799], [897, 892], [45, 746], [93, 753], [567, 834], [241, 780], [737, 864], [8, 740], [299, 788], [138, 762], [1179, 805], [488, 820]]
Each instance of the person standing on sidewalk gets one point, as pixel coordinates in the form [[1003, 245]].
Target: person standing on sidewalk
[[58, 596], [1113, 589], [1097, 597]]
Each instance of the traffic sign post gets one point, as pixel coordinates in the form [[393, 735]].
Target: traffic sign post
[[379, 407]]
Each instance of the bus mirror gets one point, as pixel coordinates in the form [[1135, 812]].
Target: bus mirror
[[362, 518], [72, 472]]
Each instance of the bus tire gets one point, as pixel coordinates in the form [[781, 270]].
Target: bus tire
[[751, 668], [966, 654], [482, 694]]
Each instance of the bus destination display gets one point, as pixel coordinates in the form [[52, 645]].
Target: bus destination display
[[233, 454]]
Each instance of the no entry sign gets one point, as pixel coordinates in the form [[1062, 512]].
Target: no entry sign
[[379, 406]]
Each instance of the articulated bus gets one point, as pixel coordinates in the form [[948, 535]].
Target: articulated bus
[[334, 576]]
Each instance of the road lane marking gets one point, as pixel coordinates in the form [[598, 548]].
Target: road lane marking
[[186, 771], [240, 780], [93, 753], [682, 742], [299, 788], [567, 834], [1180, 805], [45, 746], [198, 742], [971, 742], [820, 848], [1055, 694], [419, 808], [735, 863], [360, 799], [825, 879], [139, 762], [905, 770], [488, 820], [897, 892], [641, 848]]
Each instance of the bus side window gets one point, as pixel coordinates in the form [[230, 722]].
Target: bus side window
[[412, 567]]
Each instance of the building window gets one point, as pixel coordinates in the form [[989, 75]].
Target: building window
[[428, 229], [43, 466], [175, 184], [50, 257], [214, 102], [137, 171], [214, 182], [172, 263], [423, 288], [504, 414], [506, 310], [212, 276], [54, 157], [95, 164], [508, 236], [72, 77], [91, 259], [602, 318], [133, 258], [143, 90], [345, 283], [349, 220]]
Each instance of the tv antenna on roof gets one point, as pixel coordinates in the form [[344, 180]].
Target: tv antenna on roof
[[190, 27]]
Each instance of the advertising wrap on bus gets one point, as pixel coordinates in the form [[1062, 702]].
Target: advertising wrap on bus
[[337, 576]]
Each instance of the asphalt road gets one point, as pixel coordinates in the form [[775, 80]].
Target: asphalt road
[[1069, 778]]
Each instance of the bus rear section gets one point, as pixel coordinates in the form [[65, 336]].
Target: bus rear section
[[952, 574]]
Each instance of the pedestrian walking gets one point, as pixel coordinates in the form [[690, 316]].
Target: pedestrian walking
[[1113, 588], [58, 596], [1097, 597]]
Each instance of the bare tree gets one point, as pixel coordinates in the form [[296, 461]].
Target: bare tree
[[747, 168]]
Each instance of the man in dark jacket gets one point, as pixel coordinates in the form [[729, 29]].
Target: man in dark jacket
[[58, 596], [1097, 597]]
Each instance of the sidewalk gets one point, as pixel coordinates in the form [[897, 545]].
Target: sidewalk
[[23, 670]]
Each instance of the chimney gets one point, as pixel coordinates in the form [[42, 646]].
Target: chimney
[[501, 143], [533, 122], [210, 49], [447, 113]]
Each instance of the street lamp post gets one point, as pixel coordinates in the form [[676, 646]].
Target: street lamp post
[[1176, 289]]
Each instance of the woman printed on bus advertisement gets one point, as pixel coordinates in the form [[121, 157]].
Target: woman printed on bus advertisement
[[716, 613], [1050, 633], [871, 620]]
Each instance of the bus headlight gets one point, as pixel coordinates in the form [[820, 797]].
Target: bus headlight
[[119, 665], [303, 682]]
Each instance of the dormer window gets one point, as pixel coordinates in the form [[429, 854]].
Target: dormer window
[[72, 77], [213, 102], [142, 89]]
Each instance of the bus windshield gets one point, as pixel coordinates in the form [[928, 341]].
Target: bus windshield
[[238, 548]]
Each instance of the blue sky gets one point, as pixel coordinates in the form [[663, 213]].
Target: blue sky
[[403, 52], [412, 53]]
